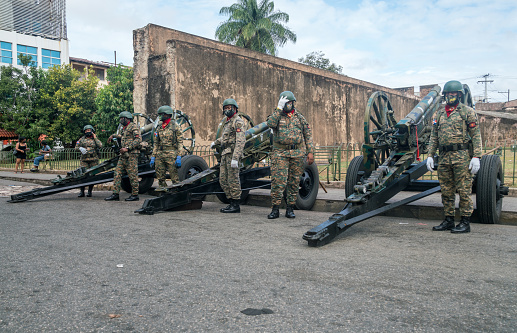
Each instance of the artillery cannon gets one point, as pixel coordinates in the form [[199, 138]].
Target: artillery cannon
[[257, 148], [101, 173], [390, 163]]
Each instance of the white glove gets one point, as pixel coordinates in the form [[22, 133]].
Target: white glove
[[235, 164], [474, 165], [430, 164], [83, 150], [281, 102], [212, 145]]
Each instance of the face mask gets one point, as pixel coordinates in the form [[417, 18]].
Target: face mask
[[89, 134], [451, 99], [228, 113], [288, 107], [164, 117], [124, 122]]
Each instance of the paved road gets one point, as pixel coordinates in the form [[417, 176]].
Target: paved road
[[70, 264]]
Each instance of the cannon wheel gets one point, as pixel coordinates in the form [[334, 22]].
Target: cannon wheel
[[378, 117], [353, 174], [191, 165], [489, 200], [189, 135], [309, 186]]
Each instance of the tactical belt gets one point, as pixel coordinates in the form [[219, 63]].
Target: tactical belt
[[286, 147], [454, 147], [165, 147]]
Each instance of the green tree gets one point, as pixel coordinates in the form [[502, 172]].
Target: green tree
[[20, 99], [255, 26], [70, 102], [112, 99], [317, 59]]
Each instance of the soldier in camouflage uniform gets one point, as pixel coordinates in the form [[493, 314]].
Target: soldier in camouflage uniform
[[454, 124], [130, 140], [88, 145], [292, 140], [168, 148], [232, 142]]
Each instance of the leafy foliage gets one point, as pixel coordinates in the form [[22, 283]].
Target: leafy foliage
[[317, 59], [255, 26], [113, 99]]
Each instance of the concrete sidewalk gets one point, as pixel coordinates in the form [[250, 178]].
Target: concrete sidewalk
[[333, 201]]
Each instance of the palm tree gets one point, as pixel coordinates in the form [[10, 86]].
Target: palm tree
[[255, 27]]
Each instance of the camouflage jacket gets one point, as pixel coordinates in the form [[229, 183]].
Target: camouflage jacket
[[168, 139], [291, 133], [232, 138], [458, 128], [91, 146], [130, 138]]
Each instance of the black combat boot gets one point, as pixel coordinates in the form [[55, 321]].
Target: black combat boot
[[223, 210], [463, 226], [234, 207], [113, 197], [274, 213], [447, 224], [289, 212], [133, 198], [81, 194], [90, 189]]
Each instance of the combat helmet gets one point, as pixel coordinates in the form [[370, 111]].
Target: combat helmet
[[165, 109], [89, 127], [125, 114], [230, 101], [289, 95], [453, 86]]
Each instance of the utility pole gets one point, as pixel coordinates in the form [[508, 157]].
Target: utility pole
[[485, 100], [504, 92]]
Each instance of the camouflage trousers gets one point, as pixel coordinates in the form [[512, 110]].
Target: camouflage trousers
[[285, 171], [89, 164], [456, 177], [165, 160], [229, 178], [129, 164]]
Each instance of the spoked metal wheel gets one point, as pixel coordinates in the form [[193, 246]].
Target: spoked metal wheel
[[189, 135], [378, 122]]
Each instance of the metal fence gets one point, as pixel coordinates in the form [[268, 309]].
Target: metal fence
[[332, 161]]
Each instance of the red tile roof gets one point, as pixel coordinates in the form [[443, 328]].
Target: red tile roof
[[7, 134]]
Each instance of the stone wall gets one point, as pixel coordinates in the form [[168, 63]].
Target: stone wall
[[195, 75], [497, 128]]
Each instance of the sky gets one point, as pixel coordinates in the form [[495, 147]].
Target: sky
[[398, 43]]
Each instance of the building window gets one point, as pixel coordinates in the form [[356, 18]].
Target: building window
[[6, 55], [29, 51], [50, 58], [99, 73]]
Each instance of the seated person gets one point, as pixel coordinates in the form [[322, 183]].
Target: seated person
[[45, 150]]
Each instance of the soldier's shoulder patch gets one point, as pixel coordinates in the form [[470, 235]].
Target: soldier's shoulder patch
[[435, 122], [238, 129], [472, 125]]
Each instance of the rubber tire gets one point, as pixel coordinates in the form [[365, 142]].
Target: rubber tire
[[190, 166], [352, 174], [144, 185], [489, 178], [306, 198]]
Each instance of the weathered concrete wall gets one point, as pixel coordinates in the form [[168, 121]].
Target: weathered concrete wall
[[195, 75], [497, 127]]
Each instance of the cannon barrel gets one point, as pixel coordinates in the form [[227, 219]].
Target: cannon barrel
[[256, 130], [426, 105]]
